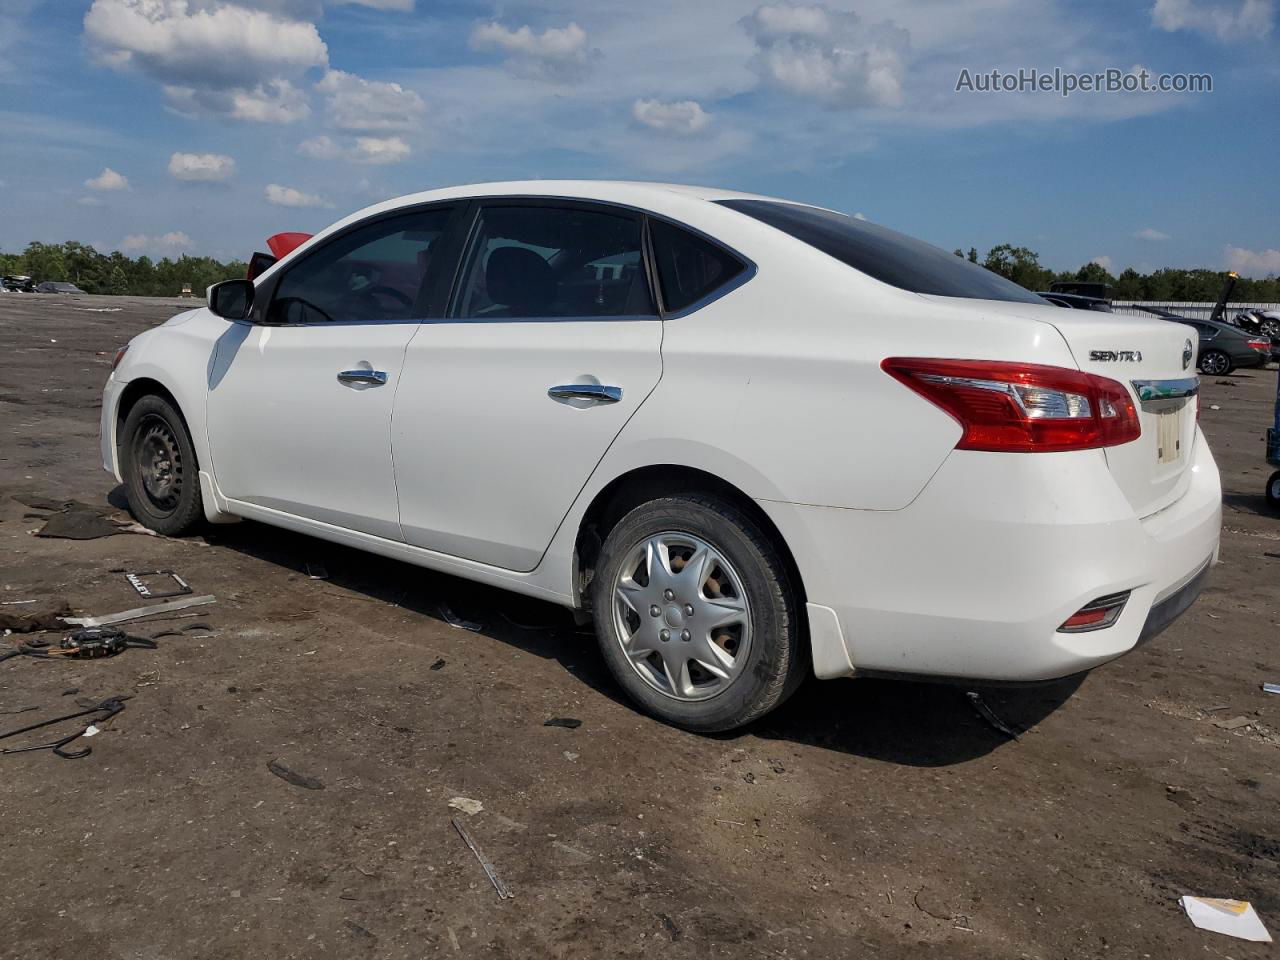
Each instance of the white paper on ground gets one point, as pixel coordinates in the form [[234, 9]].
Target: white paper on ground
[[1235, 918], [90, 731]]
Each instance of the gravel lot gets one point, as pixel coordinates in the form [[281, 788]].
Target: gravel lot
[[866, 818]]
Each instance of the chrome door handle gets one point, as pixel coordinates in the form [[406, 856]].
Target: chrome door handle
[[376, 377], [586, 391]]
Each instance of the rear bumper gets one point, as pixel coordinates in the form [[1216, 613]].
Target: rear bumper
[[973, 579]]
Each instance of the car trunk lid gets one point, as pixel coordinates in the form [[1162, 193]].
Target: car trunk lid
[[1155, 360]]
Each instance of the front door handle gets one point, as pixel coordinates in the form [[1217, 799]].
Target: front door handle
[[586, 391], [374, 377]]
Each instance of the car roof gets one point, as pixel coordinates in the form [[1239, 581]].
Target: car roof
[[606, 190]]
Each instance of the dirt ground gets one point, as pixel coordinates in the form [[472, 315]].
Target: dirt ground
[[865, 818]]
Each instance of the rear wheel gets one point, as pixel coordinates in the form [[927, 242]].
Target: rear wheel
[[160, 471], [1215, 363], [696, 614], [1273, 491]]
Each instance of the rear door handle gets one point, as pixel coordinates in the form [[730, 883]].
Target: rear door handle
[[375, 377], [586, 391]]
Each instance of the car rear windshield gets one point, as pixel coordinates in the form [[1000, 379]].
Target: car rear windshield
[[885, 254]]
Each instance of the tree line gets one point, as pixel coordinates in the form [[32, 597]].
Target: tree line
[[116, 273], [1022, 266]]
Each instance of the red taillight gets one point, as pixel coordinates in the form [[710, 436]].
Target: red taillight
[[1023, 407], [1261, 343]]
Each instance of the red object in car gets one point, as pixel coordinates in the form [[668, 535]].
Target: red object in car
[[1261, 344], [283, 244]]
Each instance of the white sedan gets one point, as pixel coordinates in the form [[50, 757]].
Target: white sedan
[[754, 439]]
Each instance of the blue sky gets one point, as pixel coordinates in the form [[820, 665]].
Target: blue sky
[[203, 126]]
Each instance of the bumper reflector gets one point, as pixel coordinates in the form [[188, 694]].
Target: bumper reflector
[[1096, 615]]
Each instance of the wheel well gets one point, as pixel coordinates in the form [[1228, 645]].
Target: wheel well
[[623, 494], [135, 391]]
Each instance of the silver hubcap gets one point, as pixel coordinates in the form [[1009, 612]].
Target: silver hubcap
[[1215, 363], [681, 616]]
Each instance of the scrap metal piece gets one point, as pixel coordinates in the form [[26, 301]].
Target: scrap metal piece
[[503, 892], [137, 612], [144, 591], [989, 715]]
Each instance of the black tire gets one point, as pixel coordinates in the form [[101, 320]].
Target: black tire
[[777, 659], [1215, 363], [1273, 491], [161, 475]]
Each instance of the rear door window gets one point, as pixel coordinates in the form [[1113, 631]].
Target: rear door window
[[690, 267], [889, 256], [531, 261]]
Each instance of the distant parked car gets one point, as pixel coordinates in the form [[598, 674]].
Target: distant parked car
[[57, 286], [1075, 301], [18, 284], [1223, 347]]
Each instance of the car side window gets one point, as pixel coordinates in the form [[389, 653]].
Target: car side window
[[381, 272], [689, 266], [547, 262]]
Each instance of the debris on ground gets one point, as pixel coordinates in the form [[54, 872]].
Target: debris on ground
[[317, 571], [503, 892], [107, 708], [293, 777], [137, 612], [454, 620], [439, 664], [569, 723], [1235, 723], [148, 592], [1271, 688], [46, 617], [90, 643], [1181, 796], [466, 805], [986, 713], [1234, 918], [81, 522]]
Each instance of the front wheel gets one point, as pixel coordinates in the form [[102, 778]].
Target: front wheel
[[1215, 363], [696, 614], [160, 471], [1273, 491]]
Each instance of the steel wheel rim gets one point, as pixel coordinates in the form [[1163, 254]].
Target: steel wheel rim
[[680, 587], [1216, 364], [158, 459], [1275, 488]]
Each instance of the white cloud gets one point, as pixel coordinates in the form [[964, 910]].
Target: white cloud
[[221, 57], [1253, 263], [1103, 262], [108, 179], [402, 5], [1152, 234], [167, 244], [289, 197], [213, 167], [354, 103], [859, 216], [680, 117], [320, 148], [1231, 20], [275, 101], [557, 55], [829, 55], [379, 150]]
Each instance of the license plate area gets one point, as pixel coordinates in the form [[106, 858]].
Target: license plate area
[[1169, 434]]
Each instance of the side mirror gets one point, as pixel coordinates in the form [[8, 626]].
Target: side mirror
[[231, 299]]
